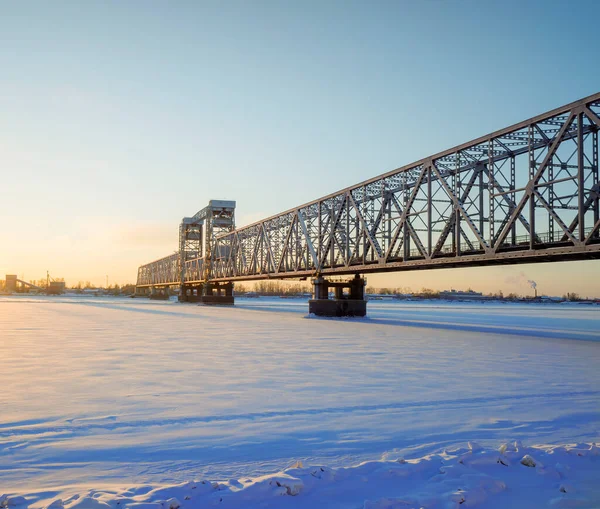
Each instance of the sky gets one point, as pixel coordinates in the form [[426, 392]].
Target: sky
[[120, 118]]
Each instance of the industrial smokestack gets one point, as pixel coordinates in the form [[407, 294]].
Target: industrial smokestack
[[533, 285]]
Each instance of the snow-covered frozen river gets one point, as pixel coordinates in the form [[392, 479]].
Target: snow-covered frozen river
[[129, 390]]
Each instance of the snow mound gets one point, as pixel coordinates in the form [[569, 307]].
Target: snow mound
[[528, 461], [473, 476]]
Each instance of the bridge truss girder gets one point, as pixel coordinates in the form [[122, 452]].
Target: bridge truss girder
[[526, 193], [163, 272]]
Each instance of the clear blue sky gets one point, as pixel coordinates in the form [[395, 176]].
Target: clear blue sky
[[119, 118]]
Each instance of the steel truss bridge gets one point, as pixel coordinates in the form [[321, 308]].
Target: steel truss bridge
[[526, 193]]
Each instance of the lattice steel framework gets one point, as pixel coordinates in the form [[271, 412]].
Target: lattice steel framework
[[196, 247], [163, 272], [527, 193]]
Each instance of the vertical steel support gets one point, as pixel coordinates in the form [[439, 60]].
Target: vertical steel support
[[429, 212], [388, 239], [491, 198], [320, 240], [532, 166], [480, 186], [551, 194], [357, 238], [595, 177], [580, 177], [182, 232], [332, 226], [405, 232], [513, 198], [207, 266], [371, 206], [364, 215], [347, 246], [457, 225]]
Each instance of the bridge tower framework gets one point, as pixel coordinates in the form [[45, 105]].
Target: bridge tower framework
[[196, 252]]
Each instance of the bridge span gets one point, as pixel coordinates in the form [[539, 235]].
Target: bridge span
[[526, 193]]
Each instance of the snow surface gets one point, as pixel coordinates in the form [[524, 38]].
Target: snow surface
[[126, 396]]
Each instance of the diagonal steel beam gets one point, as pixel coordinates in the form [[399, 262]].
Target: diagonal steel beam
[[286, 242], [309, 242], [467, 240], [591, 115], [269, 248], [416, 239], [512, 205], [532, 183], [253, 259], [594, 230], [555, 217], [328, 246], [593, 196], [341, 230], [375, 226], [363, 223], [407, 207], [411, 231], [450, 222], [460, 208]]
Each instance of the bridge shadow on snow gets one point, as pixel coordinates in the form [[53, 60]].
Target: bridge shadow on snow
[[491, 329], [530, 332]]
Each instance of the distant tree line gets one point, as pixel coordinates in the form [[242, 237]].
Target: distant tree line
[[126, 289], [43, 283], [390, 291], [274, 288], [286, 288], [428, 293]]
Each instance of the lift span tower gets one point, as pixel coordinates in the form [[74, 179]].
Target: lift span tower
[[527, 193]]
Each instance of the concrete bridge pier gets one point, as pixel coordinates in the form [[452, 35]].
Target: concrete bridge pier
[[217, 294], [141, 291], [157, 293], [190, 293], [349, 297]]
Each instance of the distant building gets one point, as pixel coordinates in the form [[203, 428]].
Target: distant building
[[403, 296], [56, 288], [92, 291], [546, 298], [459, 295], [11, 283]]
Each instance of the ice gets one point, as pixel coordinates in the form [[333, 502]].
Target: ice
[[132, 400]]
